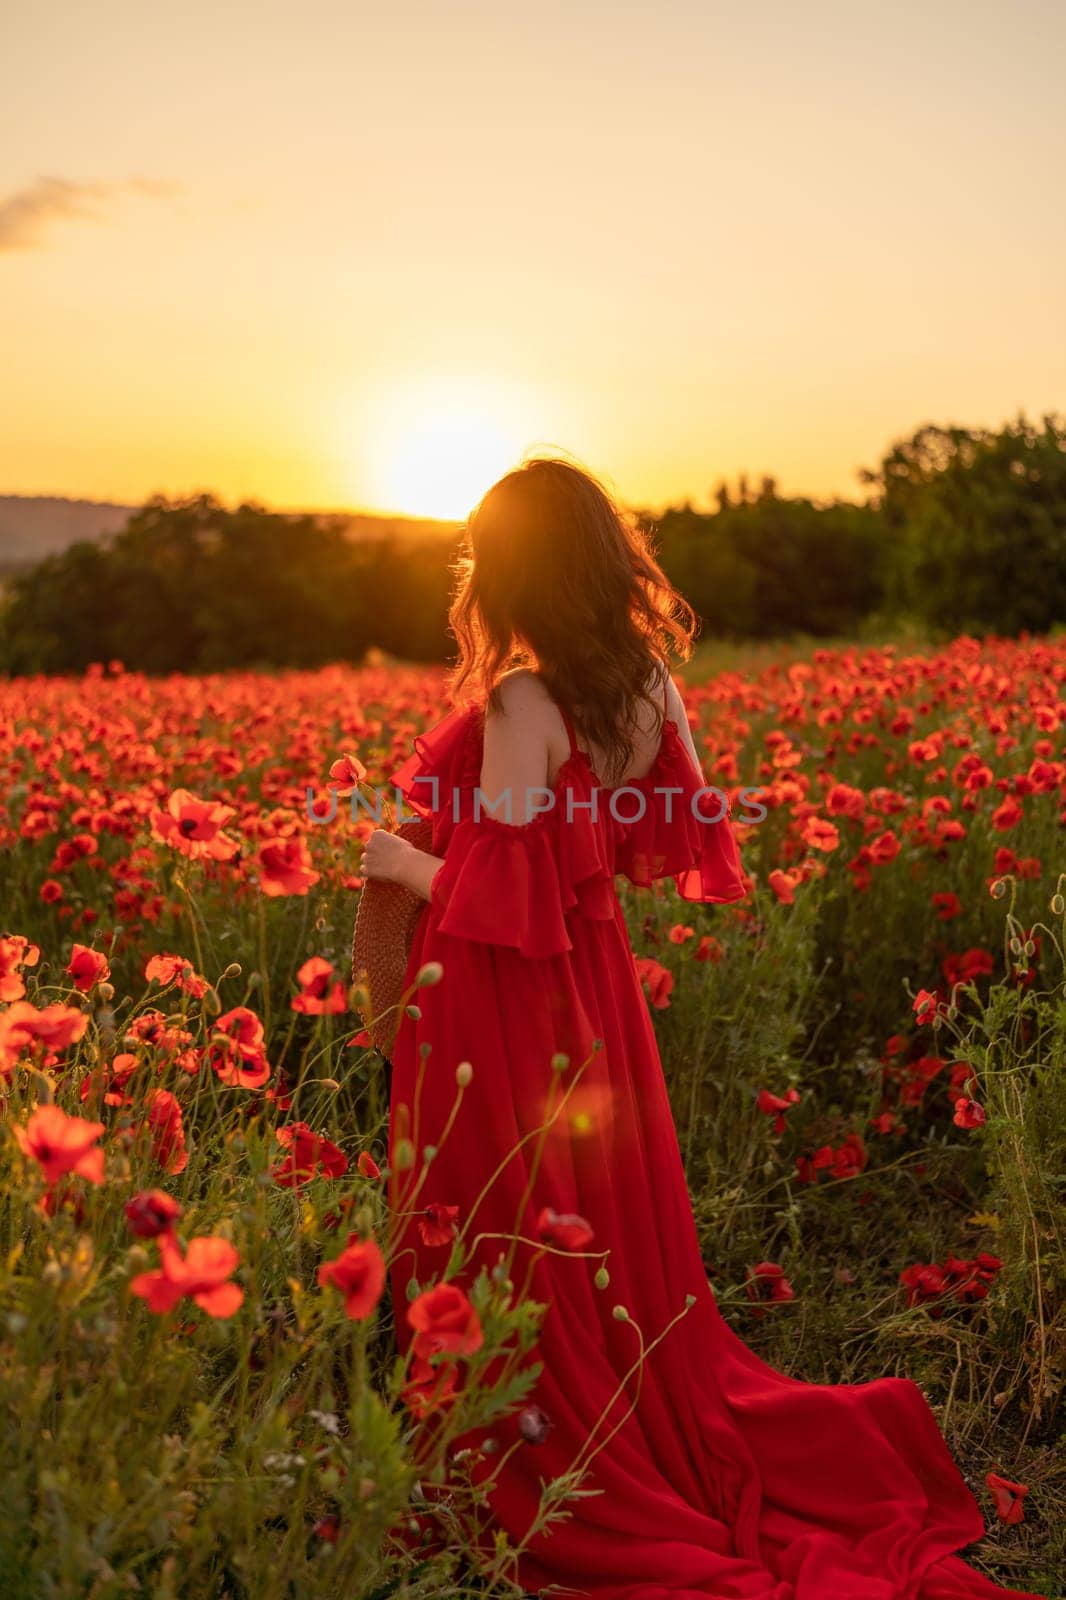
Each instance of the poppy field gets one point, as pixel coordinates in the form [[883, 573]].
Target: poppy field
[[865, 1059]]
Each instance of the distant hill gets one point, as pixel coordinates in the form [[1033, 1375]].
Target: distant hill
[[35, 526]]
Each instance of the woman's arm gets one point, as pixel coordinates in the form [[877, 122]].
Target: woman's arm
[[676, 710], [514, 764], [388, 856]]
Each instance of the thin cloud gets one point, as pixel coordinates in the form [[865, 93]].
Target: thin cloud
[[24, 215]]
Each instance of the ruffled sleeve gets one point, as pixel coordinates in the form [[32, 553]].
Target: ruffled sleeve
[[509, 884], [716, 877], [501, 884], [445, 762], [683, 831]]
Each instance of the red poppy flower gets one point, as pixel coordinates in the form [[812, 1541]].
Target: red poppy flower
[[166, 970], [237, 1049], [775, 1105], [925, 1006], [309, 1155], [766, 1281], [444, 1320], [195, 827], [567, 1231], [202, 1274], [656, 980], [60, 1144], [359, 1273], [15, 951], [428, 1386], [1007, 1497], [151, 1213], [285, 867], [367, 1166], [968, 1114], [87, 967], [784, 885], [346, 774], [110, 1082], [25, 1031], [819, 834], [321, 992], [437, 1225], [164, 1121]]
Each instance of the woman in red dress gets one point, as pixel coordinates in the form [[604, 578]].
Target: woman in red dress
[[722, 1476]]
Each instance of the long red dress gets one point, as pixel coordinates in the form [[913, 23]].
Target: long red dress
[[727, 1478]]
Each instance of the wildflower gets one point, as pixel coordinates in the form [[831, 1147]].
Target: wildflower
[[109, 1082], [202, 1274], [968, 1114], [15, 952], [87, 967], [152, 1212], [708, 949], [783, 885], [309, 1154], [164, 1121], [819, 834], [359, 1273], [194, 827], [444, 1320], [25, 1031], [1007, 1496], [766, 1281], [60, 1145], [367, 1166], [166, 970], [285, 867], [567, 1231], [437, 1226], [348, 772], [775, 1105], [429, 1387], [321, 992], [656, 981], [237, 1049], [925, 1006]]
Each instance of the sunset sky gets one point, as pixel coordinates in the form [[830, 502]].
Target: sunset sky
[[366, 255]]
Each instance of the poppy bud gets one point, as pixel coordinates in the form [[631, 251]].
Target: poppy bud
[[429, 974], [404, 1155], [620, 1314], [464, 1072], [560, 1061], [414, 1012], [602, 1278], [1058, 905], [534, 1425]]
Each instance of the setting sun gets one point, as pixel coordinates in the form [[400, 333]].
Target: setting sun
[[438, 446]]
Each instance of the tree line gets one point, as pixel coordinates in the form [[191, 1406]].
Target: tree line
[[962, 530]]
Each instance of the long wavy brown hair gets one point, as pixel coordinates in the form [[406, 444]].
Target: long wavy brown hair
[[553, 575]]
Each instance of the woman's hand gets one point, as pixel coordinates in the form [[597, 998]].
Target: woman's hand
[[387, 856]]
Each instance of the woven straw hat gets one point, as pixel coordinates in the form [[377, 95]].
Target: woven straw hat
[[381, 941]]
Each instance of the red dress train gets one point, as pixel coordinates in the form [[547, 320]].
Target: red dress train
[[726, 1478]]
